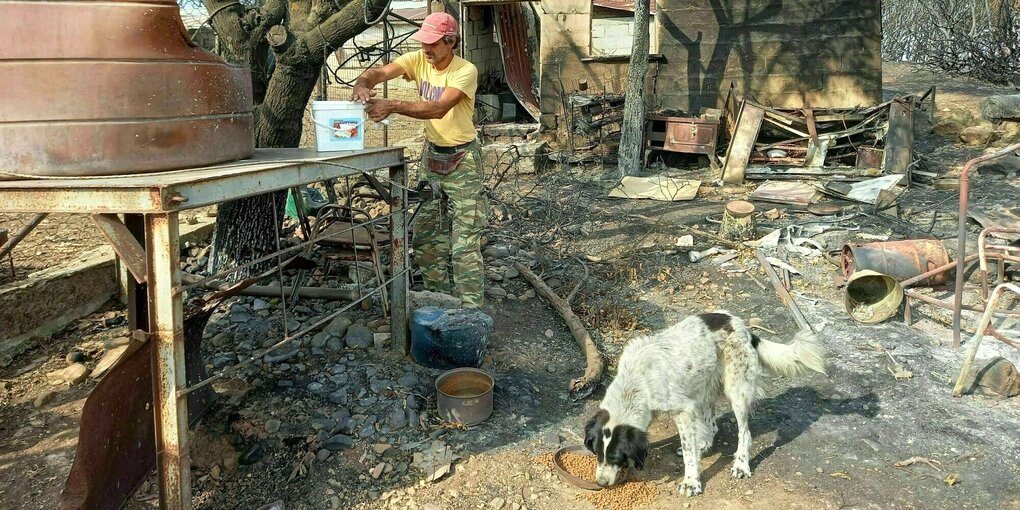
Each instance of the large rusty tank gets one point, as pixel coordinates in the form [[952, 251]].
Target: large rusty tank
[[114, 87]]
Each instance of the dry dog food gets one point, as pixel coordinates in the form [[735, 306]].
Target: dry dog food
[[625, 496], [579, 465]]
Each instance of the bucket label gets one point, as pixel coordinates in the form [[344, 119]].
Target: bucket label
[[345, 130]]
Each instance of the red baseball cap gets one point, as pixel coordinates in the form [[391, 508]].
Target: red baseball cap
[[436, 26]]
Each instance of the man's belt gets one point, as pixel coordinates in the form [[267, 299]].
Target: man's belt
[[450, 150]]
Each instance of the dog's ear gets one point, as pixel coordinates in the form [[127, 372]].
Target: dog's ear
[[593, 428], [635, 446]]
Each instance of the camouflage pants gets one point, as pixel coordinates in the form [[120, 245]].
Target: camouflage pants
[[450, 226]]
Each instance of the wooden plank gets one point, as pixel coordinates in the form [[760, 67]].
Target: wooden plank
[[749, 121], [899, 141]]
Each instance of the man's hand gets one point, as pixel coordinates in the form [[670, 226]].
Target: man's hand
[[362, 93], [379, 109]]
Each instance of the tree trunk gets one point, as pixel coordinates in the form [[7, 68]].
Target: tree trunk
[[632, 131], [246, 228]]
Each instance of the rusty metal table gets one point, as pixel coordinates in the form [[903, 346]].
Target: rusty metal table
[[160, 197]]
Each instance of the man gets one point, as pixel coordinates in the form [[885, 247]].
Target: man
[[449, 225]]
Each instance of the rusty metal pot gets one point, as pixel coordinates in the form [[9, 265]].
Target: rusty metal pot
[[464, 395], [114, 87], [898, 259]]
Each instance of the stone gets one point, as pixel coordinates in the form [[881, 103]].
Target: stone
[[320, 339], [73, 374], [358, 337], [397, 419], [259, 305], [334, 344], [75, 356], [548, 333], [511, 273], [338, 397], [293, 324], [240, 317], [995, 377], [380, 340], [338, 327], [495, 292], [982, 134], [322, 454], [497, 503], [275, 505], [109, 359], [117, 342], [550, 367], [947, 128], [408, 380], [44, 397], [314, 387], [377, 471], [273, 425], [380, 448], [421, 299], [338, 442]]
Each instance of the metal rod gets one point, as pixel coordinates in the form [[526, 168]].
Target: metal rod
[[941, 269], [942, 304], [166, 329], [975, 341], [784, 294], [961, 246], [14, 240]]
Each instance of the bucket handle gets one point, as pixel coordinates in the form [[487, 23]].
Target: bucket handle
[[385, 121]]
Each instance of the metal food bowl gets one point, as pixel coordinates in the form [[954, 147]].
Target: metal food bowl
[[580, 483], [464, 395]]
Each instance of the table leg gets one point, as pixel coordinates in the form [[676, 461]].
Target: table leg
[[398, 260], [173, 458]]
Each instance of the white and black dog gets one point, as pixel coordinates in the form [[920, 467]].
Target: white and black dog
[[681, 371]]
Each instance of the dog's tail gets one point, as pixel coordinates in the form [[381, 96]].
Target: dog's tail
[[806, 352]]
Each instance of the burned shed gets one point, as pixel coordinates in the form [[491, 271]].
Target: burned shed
[[793, 53]]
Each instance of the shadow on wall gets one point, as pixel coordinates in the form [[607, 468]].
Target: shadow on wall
[[812, 52]]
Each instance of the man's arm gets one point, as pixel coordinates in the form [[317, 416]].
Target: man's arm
[[369, 79], [379, 109]]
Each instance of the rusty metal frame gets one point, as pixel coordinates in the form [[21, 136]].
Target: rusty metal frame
[[124, 243], [160, 197], [961, 251], [983, 325]]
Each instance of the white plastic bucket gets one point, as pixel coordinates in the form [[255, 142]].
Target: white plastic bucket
[[339, 125]]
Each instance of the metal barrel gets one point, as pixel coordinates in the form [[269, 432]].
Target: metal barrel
[[114, 87], [899, 259]]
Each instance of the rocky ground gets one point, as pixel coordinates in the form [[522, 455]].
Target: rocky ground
[[338, 420]]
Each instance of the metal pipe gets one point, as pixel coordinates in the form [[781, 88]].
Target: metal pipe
[[784, 294], [986, 319], [982, 256], [13, 241], [961, 250], [942, 304]]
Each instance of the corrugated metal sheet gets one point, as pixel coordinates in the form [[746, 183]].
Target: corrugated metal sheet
[[517, 54], [621, 5]]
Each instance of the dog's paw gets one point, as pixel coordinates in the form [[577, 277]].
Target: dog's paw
[[740, 472], [689, 488]]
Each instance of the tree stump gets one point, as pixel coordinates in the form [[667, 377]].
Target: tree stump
[[738, 221]]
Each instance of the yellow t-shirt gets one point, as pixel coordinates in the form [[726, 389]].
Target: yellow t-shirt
[[457, 126]]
